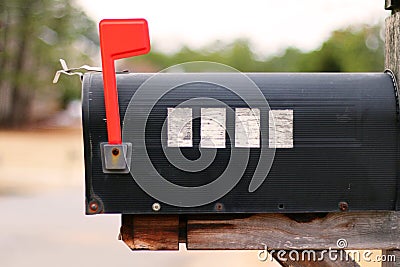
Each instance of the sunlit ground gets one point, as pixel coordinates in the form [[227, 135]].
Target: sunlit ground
[[42, 212]]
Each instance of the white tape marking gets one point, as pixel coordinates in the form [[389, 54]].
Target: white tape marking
[[281, 128], [213, 122], [247, 127], [179, 127]]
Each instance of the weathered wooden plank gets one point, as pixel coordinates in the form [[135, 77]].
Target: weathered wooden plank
[[319, 259], [362, 230], [150, 232]]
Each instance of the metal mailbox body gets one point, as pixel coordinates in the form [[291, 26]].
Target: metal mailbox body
[[345, 145]]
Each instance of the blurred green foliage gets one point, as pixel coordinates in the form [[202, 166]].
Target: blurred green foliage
[[34, 34], [349, 50]]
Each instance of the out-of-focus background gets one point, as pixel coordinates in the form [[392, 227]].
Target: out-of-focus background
[[42, 221]]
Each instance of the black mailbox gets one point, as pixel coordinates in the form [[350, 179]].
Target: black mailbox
[[192, 144]]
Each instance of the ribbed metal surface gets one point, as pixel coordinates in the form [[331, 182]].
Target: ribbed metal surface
[[346, 145]]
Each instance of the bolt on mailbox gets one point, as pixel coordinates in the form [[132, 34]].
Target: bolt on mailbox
[[231, 142]]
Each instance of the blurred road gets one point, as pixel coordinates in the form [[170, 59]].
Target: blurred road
[[42, 220], [50, 229]]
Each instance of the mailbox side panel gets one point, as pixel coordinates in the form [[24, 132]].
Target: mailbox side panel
[[345, 145]]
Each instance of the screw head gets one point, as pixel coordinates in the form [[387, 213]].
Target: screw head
[[219, 206], [156, 206], [93, 206], [343, 206], [115, 151]]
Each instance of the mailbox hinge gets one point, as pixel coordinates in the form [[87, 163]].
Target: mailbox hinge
[[116, 158], [396, 91]]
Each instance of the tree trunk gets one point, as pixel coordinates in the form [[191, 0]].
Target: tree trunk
[[20, 95]]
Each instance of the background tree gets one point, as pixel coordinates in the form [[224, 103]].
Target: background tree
[[357, 48], [34, 34]]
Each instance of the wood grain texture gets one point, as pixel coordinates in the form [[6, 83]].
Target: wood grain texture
[[150, 232], [362, 230], [392, 44]]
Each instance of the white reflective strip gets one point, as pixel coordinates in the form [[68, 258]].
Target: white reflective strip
[[213, 122], [179, 127], [247, 127], [281, 128]]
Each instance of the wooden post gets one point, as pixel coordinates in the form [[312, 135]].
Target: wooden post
[[392, 43]]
